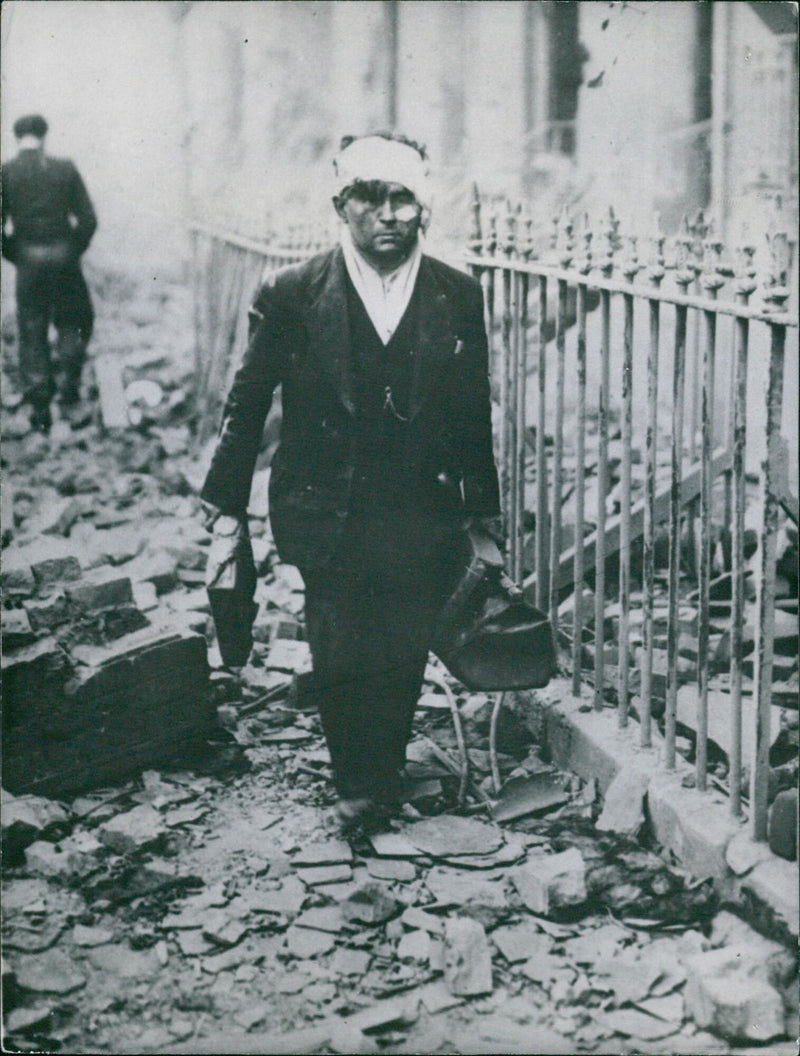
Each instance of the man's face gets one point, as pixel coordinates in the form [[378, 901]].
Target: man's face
[[384, 220]]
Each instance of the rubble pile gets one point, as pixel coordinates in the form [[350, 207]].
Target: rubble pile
[[158, 903]]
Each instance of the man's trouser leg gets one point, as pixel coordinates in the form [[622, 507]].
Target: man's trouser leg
[[74, 319], [369, 630], [34, 290]]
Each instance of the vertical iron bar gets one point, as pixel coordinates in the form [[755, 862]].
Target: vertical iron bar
[[580, 478], [625, 512], [678, 389], [488, 285], [737, 555], [514, 512], [542, 519], [602, 489], [706, 497], [766, 583], [522, 403], [505, 389], [648, 585], [558, 452]]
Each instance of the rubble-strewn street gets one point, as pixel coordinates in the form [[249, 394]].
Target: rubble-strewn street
[[174, 878]]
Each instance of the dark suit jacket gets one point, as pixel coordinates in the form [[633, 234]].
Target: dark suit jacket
[[299, 337], [46, 201]]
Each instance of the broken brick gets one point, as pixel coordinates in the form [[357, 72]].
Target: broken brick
[[332, 852], [623, 806], [350, 962], [52, 972], [519, 942], [132, 831], [468, 959], [371, 903], [101, 590], [49, 613], [26, 818], [16, 578], [449, 834], [552, 881], [727, 994], [17, 630], [414, 946], [308, 942], [51, 570]]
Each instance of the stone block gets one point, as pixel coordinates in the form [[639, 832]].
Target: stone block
[[682, 822], [136, 703], [53, 561], [25, 819], [552, 881], [55, 517], [623, 807], [48, 613], [16, 579], [766, 960], [727, 994], [74, 856], [133, 831], [189, 555], [145, 596], [371, 903], [16, 629], [160, 569], [101, 590], [120, 544], [468, 957], [33, 689], [289, 656], [52, 972], [52, 570], [743, 852], [771, 889]]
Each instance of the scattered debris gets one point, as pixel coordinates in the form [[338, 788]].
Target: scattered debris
[[468, 959], [551, 882], [623, 805]]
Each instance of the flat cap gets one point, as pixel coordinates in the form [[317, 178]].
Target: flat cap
[[30, 125]]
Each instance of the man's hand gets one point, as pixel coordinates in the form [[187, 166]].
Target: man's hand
[[221, 524]]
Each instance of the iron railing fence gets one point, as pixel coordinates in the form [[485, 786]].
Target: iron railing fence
[[573, 284], [580, 301]]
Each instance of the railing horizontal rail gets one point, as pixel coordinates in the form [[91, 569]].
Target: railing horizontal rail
[[597, 282]]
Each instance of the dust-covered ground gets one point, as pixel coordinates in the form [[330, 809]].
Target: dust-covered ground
[[207, 902]]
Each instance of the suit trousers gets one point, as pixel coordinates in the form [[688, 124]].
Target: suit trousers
[[370, 613], [57, 294]]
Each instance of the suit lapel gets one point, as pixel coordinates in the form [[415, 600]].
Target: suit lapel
[[329, 331], [434, 335]]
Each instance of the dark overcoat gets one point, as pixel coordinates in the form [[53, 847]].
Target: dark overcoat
[[299, 338]]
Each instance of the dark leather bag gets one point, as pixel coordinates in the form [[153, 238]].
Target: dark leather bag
[[487, 635], [231, 584]]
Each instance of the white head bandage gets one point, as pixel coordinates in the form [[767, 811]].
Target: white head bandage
[[387, 160]]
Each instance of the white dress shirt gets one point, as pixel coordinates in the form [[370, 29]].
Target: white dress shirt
[[385, 297]]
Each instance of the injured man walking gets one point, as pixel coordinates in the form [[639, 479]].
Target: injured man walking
[[385, 454]]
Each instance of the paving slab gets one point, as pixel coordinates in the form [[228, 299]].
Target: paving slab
[[449, 834], [53, 972]]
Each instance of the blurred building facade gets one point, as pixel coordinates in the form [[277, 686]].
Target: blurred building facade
[[671, 106]]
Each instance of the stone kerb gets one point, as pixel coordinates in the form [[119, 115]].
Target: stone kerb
[[695, 826]]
